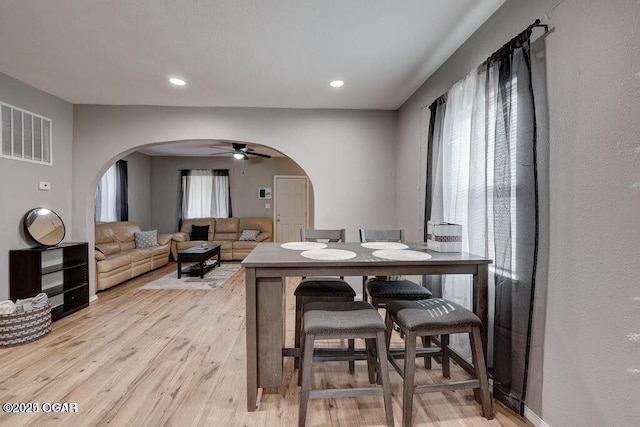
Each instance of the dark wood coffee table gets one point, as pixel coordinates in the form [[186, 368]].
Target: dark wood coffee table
[[199, 255]]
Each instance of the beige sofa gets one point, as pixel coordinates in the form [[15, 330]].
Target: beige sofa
[[225, 232], [118, 259]]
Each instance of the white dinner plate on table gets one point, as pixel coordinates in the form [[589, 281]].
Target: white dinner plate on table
[[303, 246], [384, 245], [328, 254], [401, 255]]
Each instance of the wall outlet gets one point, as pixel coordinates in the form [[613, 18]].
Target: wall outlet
[[46, 186], [267, 205]]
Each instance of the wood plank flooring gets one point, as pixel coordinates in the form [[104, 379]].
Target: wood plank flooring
[[176, 357]]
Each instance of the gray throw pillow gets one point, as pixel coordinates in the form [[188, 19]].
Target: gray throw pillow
[[249, 235], [146, 239]]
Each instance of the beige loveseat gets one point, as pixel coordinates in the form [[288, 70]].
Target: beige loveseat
[[225, 232], [118, 259]]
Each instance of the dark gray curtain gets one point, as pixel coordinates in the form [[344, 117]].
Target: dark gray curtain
[[433, 282], [514, 130], [122, 193], [514, 290], [184, 190]]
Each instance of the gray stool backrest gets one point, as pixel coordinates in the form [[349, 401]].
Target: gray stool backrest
[[381, 235], [312, 235]]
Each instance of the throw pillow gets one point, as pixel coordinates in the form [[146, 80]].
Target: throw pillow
[[146, 239], [249, 234], [200, 232]]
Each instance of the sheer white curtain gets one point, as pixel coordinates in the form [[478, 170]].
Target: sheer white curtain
[[463, 181], [483, 174], [199, 194], [205, 194], [455, 178], [221, 196], [106, 196]]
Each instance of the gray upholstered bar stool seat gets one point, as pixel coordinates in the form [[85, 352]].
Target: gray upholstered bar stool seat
[[383, 291], [339, 320], [320, 289], [380, 291], [431, 317]]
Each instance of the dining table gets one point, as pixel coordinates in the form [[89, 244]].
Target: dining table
[[269, 264]]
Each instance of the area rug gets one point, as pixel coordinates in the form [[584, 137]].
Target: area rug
[[213, 279]]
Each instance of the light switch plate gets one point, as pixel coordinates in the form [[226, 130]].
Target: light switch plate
[[267, 205], [43, 185]]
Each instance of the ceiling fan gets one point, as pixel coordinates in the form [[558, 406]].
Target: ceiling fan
[[239, 151]]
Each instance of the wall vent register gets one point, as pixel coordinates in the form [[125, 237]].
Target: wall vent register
[[24, 135]]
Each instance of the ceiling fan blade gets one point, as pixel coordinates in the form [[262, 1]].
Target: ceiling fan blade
[[253, 153]]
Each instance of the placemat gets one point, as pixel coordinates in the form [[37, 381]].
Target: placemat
[[401, 255], [328, 254], [303, 246], [384, 245]]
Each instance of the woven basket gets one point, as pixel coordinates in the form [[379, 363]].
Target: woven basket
[[21, 328]]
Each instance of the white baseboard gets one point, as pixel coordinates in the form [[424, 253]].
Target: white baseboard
[[534, 418], [93, 299]]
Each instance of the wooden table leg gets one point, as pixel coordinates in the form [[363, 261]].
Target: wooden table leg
[[270, 330], [179, 266], [265, 338], [252, 344], [481, 301]]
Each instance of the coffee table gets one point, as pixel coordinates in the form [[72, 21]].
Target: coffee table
[[198, 254]]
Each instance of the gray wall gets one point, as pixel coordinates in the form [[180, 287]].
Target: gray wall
[[139, 189], [593, 79], [19, 180], [245, 178], [327, 144]]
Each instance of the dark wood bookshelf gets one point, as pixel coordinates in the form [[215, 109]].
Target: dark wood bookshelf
[[61, 271]]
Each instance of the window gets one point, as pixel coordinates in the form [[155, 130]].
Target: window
[[111, 199], [25, 136], [206, 193]]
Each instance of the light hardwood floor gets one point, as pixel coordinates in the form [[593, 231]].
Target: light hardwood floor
[[176, 357]]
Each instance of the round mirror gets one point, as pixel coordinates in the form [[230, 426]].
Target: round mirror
[[44, 226]]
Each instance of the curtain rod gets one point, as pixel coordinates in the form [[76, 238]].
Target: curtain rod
[[507, 46], [526, 34]]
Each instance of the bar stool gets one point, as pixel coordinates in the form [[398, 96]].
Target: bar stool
[[379, 291], [320, 289], [339, 320], [432, 317]]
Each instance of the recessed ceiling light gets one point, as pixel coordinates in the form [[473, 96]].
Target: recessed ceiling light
[[177, 82], [336, 83]]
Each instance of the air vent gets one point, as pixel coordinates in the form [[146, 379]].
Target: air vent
[[25, 135]]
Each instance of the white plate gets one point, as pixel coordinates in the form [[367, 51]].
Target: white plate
[[303, 246], [328, 254], [401, 255], [384, 245]]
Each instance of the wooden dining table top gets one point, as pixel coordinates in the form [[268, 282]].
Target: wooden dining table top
[[267, 254]]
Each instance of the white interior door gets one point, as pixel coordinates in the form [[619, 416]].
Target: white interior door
[[290, 210]]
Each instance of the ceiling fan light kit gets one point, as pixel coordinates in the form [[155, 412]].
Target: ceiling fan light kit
[[239, 151]]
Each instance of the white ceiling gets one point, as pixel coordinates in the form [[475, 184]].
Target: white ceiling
[[244, 53], [203, 148]]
